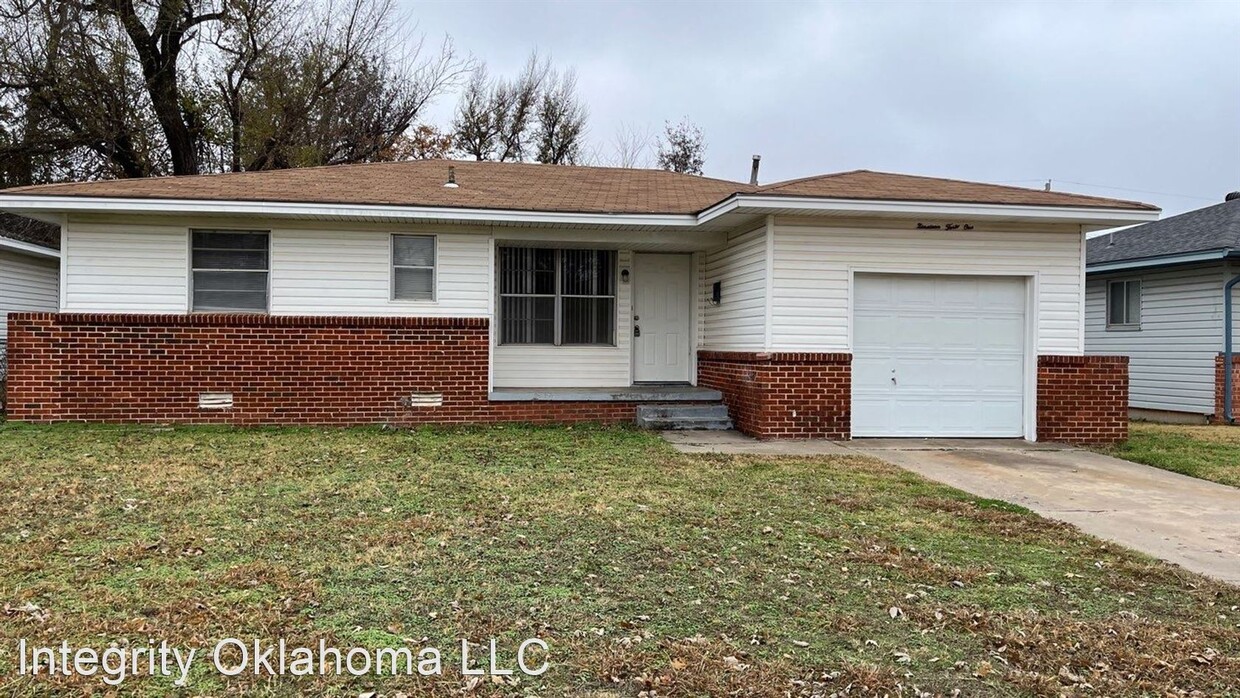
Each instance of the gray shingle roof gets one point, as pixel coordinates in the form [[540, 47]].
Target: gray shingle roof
[[1214, 227], [29, 230]]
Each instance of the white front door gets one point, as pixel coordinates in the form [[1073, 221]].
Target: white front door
[[662, 310], [938, 355]]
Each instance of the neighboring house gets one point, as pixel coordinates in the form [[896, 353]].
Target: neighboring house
[[852, 304], [1155, 294], [29, 270]]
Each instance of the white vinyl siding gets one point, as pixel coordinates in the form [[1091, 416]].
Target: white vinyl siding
[[126, 268], [144, 268], [1171, 357], [739, 321], [540, 366], [27, 283], [814, 258], [349, 272]]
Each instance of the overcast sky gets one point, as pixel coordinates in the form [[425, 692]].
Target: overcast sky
[[1137, 101]]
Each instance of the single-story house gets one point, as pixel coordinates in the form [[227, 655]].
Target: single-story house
[[29, 270], [1155, 294], [851, 304]]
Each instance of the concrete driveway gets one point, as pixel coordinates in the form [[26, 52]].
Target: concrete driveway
[[1191, 522]]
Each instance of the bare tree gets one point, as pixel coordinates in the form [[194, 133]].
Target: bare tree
[[158, 33], [255, 34], [474, 129], [495, 116], [139, 87], [518, 101], [72, 101], [342, 93], [633, 146], [683, 149], [562, 118]]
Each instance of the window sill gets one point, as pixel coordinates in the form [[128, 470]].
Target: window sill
[[1123, 328]]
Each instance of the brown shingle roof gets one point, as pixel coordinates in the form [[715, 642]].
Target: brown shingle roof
[[490, 185], [865, 184], [554, 188]]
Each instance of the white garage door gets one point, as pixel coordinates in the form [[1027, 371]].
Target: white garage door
[[938, 355]]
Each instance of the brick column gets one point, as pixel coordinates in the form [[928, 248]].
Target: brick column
[[1218, 387], [1083, 399], [782, 395]]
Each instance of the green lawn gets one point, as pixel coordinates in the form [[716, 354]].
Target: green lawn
[[643, 569], [1207, 452]]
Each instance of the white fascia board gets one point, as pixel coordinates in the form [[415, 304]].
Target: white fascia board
[[29, 248], [1164, 261], [84, 204], [67, 204], [791, 204]]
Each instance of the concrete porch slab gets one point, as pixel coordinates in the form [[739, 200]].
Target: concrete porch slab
[[734, 442]]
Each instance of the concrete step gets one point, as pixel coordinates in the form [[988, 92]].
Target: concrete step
[[707, 416]]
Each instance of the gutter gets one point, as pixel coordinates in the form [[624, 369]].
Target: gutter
[[1163, 261], [1228, 323]]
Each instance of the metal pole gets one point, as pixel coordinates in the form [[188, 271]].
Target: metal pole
[[1228, 323]]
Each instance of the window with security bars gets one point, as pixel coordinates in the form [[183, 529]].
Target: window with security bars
[[229, 271], [557, 297], [413, 267]]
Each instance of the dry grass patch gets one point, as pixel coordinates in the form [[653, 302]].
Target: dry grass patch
[[1210, 452], [644, 569]]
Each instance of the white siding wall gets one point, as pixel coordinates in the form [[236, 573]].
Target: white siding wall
[[528, 366], [128, 268], [813, 260], [348, 272], [27, 283], [144, 268], [1171, 364], [739, 321]]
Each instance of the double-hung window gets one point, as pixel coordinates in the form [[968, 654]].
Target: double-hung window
[[557, 297], [229, 270], [1124, 304], [413, 267]]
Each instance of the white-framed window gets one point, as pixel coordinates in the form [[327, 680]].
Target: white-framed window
[[413, 267], [1124, 304], [229, 271], [557, 297]]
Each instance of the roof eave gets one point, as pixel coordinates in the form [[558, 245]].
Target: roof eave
[[29, 248], [31, 204], [19, 203], [1082, 215], [1162, 261]]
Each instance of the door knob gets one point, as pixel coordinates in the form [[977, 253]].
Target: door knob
[[637, 331]]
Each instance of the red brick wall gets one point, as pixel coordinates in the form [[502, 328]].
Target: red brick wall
[[782, 395], [280, 370], [1083, 399], [1218, 387]]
